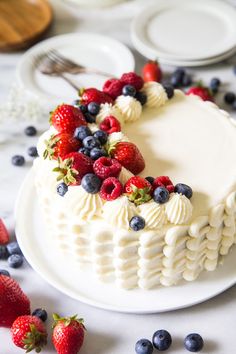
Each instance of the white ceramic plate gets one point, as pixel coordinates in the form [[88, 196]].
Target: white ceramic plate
[[185, 30], [89, 49], [31, 235]]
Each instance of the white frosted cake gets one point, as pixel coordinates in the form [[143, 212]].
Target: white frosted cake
[[171, 229]]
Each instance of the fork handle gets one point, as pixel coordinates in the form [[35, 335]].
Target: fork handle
[[79, 70], [69, 81]]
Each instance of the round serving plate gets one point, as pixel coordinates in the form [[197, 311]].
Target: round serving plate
[[61, 273]]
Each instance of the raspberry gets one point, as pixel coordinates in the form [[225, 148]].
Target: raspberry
[[164, 181], [111, 189], [110, 125], [113, 87], [105, 167], [132, 79]]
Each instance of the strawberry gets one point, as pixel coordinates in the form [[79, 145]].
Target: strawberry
[[29, 333], [113, 87], [111, 189], [138, 190], [132, 79], [13, 302], [110, 125], [73, 167], [128, 156], [4, 235], [67, 118], [201, 91], [94, 95], [68, 334], [60, 145], [105, 167], [163, 181], [151, 71]]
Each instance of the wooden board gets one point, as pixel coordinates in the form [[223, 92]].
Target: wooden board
[[22, 22]]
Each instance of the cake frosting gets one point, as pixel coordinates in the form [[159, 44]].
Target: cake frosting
[[191, 141]]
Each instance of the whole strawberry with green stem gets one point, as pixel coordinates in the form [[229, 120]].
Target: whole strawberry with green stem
[[60, 145], [68, 334], [138, 190], [29, 333], [66, 118]]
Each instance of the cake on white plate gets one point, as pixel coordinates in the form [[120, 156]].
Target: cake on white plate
[[101, 210]]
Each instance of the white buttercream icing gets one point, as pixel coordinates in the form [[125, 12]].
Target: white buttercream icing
[[93, 127], [119, 212], [178, 209], [117, 137], [107, 109], [130, 108], [154, 214], [156, 94]]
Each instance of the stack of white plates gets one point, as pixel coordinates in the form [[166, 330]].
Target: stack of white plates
[[186, 32]]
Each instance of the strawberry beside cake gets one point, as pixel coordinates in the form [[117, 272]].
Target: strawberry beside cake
[[139, 182]]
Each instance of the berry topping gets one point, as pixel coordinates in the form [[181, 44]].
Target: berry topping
[[60, 145], [106, 167], [182, 188], [94, 95], [74, 166], [29, 333], [89, 118], [152, 71], [40, 313], [137, 223], [93, 108], [91, 183], [95, 153], [129, 90], [128, 155], [161, 340], [229, 97], [15, 260], [132, 79], [66, 118], [111, 189], [82, 132], [83, 108], [193, 342], [5, 272], [113, 87], [150, 179], [138, 189], [141, 97], [32, 151], [85, 151], [62, 188], [161, 195], [110, 125], [202, 92], [3, 252], [18, 160], [101, 136], [13, 248], [169, 91], [91, 142], [4, 235], [164, 181], [30, 131]]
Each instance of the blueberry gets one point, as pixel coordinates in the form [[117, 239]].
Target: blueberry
[[83, 108], [40, 313], [15, 261], [137, 223], [89, 118], [32, 151], [91, 183], [30, 131], [101, 136], [3, 252], [169, 91], [4, 272], [141, 97], [84, 151], [150, 179], [129, 90], [91, 142], [144, 346], [93, 108], [180, 72], [193, 342], [13, 248], [187, 80], [82, 132], [18, 160], [161, 195], [177, 77], [95, 153], [161, 340], [62, 188], [229, 97], [184, 189], [215, 83]]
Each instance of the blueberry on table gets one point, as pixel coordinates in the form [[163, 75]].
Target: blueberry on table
[[18, 160], [91, 142], [129, 90], [95, 153], [14, 248], [40, 313], [161, 340], [141, 97], [30, 131], [182, 188], [91, 183], [101, 136], [5, 272], [93, 108], [169, 91], [82, 132], [137, 223], [144, 346], [62, 188], [32, 151], [3, 252], [161, 195], [15, 261], [193, 342], [229, 97]]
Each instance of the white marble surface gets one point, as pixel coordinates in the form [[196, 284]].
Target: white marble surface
[[108, 333]]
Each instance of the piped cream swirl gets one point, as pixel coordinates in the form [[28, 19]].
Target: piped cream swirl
[[156, 95], [119, 212], [117, 137], [130, 108], [154, 214], [107, 109], [178, 209]]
